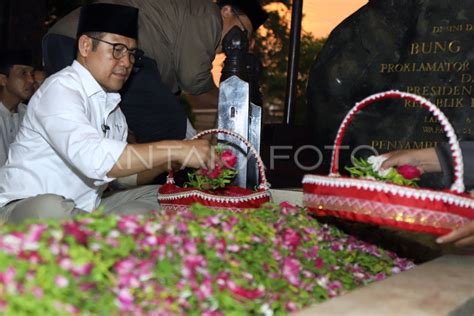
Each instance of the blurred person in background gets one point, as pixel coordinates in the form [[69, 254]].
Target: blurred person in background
[[16, 87]]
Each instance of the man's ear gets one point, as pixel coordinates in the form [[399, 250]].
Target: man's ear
[[226, 12], [84, 45], [3, 80]]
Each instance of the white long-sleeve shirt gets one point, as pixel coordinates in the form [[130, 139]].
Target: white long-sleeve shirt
[[62, 146], [9, 125]]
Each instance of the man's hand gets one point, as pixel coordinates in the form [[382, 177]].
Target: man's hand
[[425, 160], [462, 237], [196, 154]]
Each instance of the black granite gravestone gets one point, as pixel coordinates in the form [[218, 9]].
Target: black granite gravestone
[[424, 47]]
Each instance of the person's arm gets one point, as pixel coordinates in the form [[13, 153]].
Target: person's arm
[[142, 178], [68, 130], [195, 50], [137, 158], [435, 160], [426, 160], [147, 177]]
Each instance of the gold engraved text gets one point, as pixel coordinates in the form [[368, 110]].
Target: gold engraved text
[[429, 48], [460, 66], [390, 145]]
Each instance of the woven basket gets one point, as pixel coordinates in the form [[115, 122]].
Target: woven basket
[[231, 197], [417, 209]]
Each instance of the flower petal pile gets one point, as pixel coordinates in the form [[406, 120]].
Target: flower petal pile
[[274, 260]]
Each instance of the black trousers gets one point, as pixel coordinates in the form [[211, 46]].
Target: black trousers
[[153, 113]]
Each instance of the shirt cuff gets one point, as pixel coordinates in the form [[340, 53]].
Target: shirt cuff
[[104, 162]]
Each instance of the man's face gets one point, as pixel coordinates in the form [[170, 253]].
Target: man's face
[[231, 19], [111, 73], [19, 82]]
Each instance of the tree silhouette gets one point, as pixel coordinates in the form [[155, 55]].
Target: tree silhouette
[[272, 47]]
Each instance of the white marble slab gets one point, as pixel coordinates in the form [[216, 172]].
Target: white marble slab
[[439, 287], [294, 197]]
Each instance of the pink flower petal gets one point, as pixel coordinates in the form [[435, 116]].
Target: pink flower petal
[[409, 172], [61, 281]]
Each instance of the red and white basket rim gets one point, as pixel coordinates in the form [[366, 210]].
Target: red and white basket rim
[[390, 188], [185, 207], [458, 164], [214, 198]]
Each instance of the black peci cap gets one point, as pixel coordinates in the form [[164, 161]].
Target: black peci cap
[[11, 57], [252, 9], [109, 18]]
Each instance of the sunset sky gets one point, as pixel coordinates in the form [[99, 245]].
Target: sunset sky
[[321, 16]]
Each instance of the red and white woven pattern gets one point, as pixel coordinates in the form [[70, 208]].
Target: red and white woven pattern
[[386, 212], [233, 198], [418, 209]]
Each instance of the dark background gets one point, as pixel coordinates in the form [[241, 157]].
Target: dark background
[[24, 22], [22, 25]]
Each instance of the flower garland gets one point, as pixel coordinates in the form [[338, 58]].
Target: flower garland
[[269, 261]]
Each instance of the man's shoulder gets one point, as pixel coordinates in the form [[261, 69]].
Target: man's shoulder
[[163, 10], [68, 76], [62, 85], [203, 8]]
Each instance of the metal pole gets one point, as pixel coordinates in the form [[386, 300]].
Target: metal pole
[[293, 59]]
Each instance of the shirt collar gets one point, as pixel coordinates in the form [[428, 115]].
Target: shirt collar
[[3, 109], [88, 81], [91, 85]]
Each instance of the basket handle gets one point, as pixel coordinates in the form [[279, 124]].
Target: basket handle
[[458, 184], [264, 185]]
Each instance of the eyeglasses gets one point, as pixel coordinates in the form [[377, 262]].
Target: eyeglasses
[[119, 50]]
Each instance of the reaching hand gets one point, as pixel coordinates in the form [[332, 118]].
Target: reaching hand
[[462, 237], [196, 154], [425, 160]]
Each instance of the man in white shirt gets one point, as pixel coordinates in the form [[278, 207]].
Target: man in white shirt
[[72, 140], [16, 86]]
